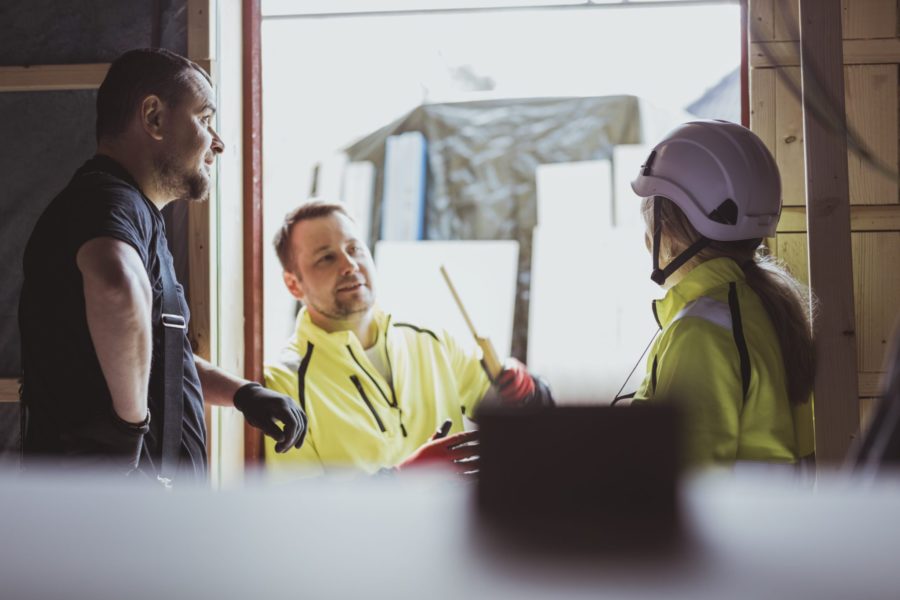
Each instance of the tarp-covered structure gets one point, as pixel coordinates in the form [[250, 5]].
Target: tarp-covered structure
[[481, 162]]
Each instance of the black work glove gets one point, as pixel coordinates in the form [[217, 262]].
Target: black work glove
[[262, 408], [107, 442]]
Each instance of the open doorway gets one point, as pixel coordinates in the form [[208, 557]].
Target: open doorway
[[595, 83]]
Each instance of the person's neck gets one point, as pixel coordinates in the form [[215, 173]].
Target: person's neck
[[362, 324], [139, 165]]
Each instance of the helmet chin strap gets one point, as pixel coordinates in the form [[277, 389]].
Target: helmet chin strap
[[659, 276]]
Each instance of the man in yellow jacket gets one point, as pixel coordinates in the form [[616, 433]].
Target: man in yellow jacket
[[375, 390]]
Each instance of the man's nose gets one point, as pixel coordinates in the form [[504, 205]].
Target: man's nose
[[218, 146], [350, 265]]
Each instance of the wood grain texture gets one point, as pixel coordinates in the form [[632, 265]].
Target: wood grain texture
[[202, 298], [872, 217], [868, 19], [875, 257], [874, 320], [786, 20], [762, 106], [789, 152], [856, 52], [761, 20], [47, 78], [871, 100], [9, 390], [828, 221], [200, 30]]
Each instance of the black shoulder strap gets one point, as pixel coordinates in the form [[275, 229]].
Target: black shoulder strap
[[174, 326], [737, 329]]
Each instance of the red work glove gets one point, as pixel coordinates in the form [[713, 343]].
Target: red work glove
[[514, 384], [446, 452]]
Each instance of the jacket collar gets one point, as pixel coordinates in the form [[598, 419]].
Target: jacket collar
[[698, 282], [308, 331]]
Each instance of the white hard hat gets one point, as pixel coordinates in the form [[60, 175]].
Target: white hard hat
[[720, 175]]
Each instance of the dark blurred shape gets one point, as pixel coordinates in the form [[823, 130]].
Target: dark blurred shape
[[879, 447], [581, 476]]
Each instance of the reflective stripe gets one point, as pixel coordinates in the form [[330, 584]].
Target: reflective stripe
[[708, 309]]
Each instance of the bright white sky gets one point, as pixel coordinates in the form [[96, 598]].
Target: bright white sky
[[329, 81]]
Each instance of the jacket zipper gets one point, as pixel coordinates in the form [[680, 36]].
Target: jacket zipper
[[387, 355], [365, 398], [369, 375]]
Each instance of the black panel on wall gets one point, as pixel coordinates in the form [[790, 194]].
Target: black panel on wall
[[44, 138], [50, 32]]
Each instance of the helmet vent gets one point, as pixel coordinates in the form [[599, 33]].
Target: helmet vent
[[645, 168], [726, 213]]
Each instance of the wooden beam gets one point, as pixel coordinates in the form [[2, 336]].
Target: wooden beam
[[201, 250], [48, 78], [828, 222], [856, 52], [200, 32], [871, 217], [253, 211], [9, 390]]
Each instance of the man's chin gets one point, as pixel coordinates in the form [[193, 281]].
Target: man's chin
[[196, 190]]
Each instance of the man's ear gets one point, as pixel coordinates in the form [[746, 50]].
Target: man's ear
[[152, 114], [293, 285]]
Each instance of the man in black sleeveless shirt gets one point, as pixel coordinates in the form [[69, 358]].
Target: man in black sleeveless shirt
[[97, 273]]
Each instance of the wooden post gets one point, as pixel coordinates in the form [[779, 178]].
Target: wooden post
[[253, 199], [828, 224], [201, 241]]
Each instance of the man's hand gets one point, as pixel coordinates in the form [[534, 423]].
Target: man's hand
[[262, 408], [459, 452], [514, 383], [515, 386]]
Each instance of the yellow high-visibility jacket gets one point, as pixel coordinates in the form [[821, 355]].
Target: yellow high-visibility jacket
[[697, 362], [357, 418]]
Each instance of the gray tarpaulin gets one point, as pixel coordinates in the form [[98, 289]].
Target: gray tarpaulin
[[482, 158]]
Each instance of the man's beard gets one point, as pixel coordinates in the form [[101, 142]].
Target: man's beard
[[342, 309], [180, 183]]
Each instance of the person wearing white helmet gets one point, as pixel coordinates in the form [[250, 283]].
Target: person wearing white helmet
[[735, 347]]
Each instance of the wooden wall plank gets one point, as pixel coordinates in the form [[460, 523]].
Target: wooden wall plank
[[789, 136], [9, 390], [761, 21], [869, 19], [201, 41], [791, 248], [786, 19], [762, 106], [871, 99], [830, 264], [48, 78], [871, 217], [870, 384], [856, 52], [877, 296]]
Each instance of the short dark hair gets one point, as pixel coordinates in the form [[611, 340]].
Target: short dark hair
[[134, 76], [312, 209]]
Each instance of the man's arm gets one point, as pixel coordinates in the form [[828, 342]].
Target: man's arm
[[118, 303], [219, 386], [261, 407]]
